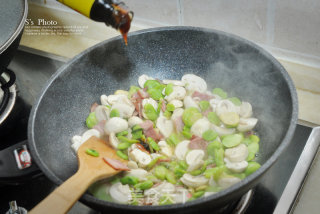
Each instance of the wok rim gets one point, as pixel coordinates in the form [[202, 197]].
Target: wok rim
[[217, 197]]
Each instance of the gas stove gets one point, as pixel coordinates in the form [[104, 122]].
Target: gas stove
[[276, 192]]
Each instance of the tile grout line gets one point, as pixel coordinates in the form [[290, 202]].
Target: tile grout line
[[271, 8]]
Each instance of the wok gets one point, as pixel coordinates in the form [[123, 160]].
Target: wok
[[223, 60]]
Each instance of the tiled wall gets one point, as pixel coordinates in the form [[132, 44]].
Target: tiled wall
[[290, 29]]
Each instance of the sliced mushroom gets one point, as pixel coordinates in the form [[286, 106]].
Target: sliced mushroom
[[174, 82], [194, 159], [181, 195], [125, 110], [182, 149], [178, 93], [89, 133], [116, 125], [247, 124], [165, 126], [236, 167], [226, 106], [139, 173], [237, 154], [123, 92], [102, 113], [194, 83], [142, 80], [134, 120], [112, 99], [227, 180], [214, 102], [176, 103], [120, 193], [165, 149], [193, 181], [104, 100], [164, 187], [223, 131], [113, 140], [189, 102], [76, 142], [142, 158], [245, 110], [132, 165], [200, 126], [178, 112]]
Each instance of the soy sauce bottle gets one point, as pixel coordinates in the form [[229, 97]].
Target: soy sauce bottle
[[112, 12]]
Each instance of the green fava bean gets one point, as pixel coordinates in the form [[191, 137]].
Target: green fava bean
[[219, 156], [150, 112], [254, 138], [153, 144], [232, 140], [212, 146], [129, 180], [91, 120], [123, 133], [251, 168], [170, 107], [235, 100], [151, 84], [170, 177], [230, 119], [253, 148], [160, 172], [209, 135], [144, 185], [214, 172], [213, 118], [92, 152], [204, 105], [124, 145], [169, 89], [190, 116], [114, 113], [155, 93], [198, 194], [133, 89], [122, 155], [220, 92]]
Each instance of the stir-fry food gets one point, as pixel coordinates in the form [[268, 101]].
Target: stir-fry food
[[182, 141]]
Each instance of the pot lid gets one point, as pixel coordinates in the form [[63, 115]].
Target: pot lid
[[13, 14]]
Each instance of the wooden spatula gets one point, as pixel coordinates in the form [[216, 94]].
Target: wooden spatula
[[90, 170]]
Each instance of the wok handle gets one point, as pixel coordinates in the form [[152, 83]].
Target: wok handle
[[62, 198]]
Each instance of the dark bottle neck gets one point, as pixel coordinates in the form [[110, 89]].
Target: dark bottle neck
[[103, 10]]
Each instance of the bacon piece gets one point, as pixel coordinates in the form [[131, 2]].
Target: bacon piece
[[137, 102], [143, 93], [116, 164], [163, 106], [93, 107], [146, 124], [202, 96], [149, 131], [178, 124], [142, 148], [100, 126], [197, 143]]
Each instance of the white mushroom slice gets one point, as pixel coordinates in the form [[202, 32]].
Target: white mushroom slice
[[104, 100], [193, 181], [164, 187], [150, 101], [223, 131], [132, 165], [214, 103], [76, 142], [237, 154], [123, 92], [194, 83], [194, 159], [189, 102], [165, 126], [89, 133], [174, 82], [165, 149], [247, 124], [142, 80], [125, 110], [227, 180], [113, 140], [134, 120], [181, 195], [102, 113], [178, 112], [142, 158], [112, 99], [245, 110], [200, 126], [139, 173], [237, 167], [226, 106], [182, 149], [120, 193], [116, 125], [207, 194], [176, 103], [178, 93]]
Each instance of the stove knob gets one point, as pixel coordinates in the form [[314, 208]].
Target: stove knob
[[14, 209]]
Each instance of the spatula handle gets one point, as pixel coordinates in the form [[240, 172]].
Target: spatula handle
[[63, 197]]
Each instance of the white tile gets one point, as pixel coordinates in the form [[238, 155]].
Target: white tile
[[246, 18], [297, 26], [154, 12]]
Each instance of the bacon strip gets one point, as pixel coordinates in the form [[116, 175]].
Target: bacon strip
[[100, 126], [93, 107], [163, 106], [178, 124], [149, 131], [116, 164], [202, 96], [197, 143]]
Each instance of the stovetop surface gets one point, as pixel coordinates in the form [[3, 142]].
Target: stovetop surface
[[33, 71]]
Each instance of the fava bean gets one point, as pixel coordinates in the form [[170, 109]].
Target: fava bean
[[114, 113], [235, 101], [220, 92], [253, 148], [123, 133], [232, 140], [133, 89], [144, 185], [170, 177], [151, 84], [170, 107], [215, 172], [150, 112], [153, 144], [122, 155], [251, 168], [91, 120], [124, 145], [213, 118], [190, 116], [92, 152], [219, 156], [160, 172], [129, 180], [169, 89], [209, 135], [204, 105]]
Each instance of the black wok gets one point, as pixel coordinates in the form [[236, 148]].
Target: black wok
[[223, 60]]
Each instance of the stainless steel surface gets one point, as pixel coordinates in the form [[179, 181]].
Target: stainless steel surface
[[299, 173]]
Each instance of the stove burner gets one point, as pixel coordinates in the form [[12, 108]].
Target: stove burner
[[244, 202]]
